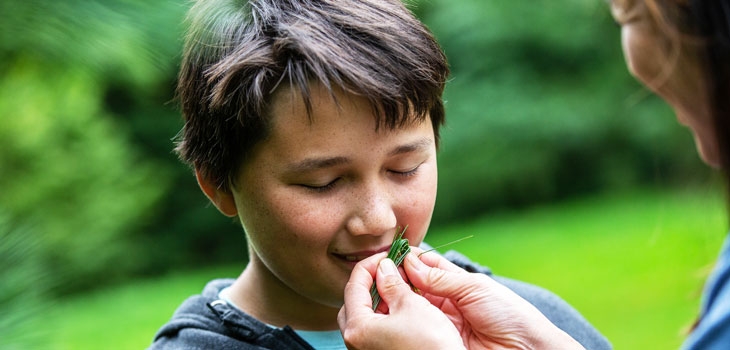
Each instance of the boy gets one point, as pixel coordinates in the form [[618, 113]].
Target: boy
[[316, 124]]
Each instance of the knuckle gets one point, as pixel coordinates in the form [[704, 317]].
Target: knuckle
[[353, 339], [391, 284], [436, 276]]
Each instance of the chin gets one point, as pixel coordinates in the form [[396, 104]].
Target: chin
[[712, 162], [710, 155]]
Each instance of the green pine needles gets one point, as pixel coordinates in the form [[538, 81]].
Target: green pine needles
[[398, 251]]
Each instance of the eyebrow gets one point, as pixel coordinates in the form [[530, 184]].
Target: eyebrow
[[311, 164], [316, 163], [417, 145]]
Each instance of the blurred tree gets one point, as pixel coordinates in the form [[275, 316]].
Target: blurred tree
[[23, 287], [68, 166], [86, 141], [540, 107]]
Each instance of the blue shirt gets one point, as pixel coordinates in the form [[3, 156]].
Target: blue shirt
[[320, 340], [323, 340], [713, 330]]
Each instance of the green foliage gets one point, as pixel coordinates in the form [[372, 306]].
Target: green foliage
[[23, 286], [541, 107], [68, 167], [69, 171]]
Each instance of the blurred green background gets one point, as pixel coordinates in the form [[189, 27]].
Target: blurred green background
[[569, 174]]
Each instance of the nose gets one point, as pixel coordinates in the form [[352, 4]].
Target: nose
[[372, 212]]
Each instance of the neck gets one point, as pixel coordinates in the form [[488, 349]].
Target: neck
[[262, 295]]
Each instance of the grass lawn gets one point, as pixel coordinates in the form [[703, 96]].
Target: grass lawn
[[125, 317], [632, 263]]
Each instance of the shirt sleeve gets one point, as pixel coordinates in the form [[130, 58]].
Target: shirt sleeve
[[713, 330]]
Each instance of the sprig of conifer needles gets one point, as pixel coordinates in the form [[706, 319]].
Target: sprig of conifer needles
[[398, 251]]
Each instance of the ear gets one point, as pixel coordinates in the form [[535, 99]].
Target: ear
[[222, 200]]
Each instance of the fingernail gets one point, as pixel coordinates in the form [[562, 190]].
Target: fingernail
[[387, 267]]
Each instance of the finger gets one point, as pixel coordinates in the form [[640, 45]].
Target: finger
[[391, 286], [358, 302], [441, 282], [434, 259], [357, 289], [370, 263], [342, 317]]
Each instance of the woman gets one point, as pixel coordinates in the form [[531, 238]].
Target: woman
[[681, 51]]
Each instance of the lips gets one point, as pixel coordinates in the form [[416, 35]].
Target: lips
[[354, 257]]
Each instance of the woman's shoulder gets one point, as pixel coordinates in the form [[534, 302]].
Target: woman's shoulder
[[713, 330]]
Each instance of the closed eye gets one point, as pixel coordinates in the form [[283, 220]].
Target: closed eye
[[407, 173], [321, 188]]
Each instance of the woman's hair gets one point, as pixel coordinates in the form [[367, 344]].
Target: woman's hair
[[712, 18], [703, 23], [238, 53]]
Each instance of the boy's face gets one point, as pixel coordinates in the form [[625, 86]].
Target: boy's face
[[316, 197]]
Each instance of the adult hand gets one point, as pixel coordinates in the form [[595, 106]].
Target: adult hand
[[404, 319], [487, 314]]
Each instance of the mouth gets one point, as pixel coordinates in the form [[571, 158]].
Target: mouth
[[355, 257]]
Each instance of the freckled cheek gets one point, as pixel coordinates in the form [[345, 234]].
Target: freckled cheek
[[644, 56], [632, 54], [417, 211], [312, 221]]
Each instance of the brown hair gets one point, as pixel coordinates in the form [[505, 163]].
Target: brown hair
[[712, 18], [237, 53], [704, 24]]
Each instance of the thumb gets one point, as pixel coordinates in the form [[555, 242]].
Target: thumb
[[391, 286]]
